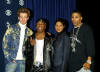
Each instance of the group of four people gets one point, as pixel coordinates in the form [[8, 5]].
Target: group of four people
[[41, 51]]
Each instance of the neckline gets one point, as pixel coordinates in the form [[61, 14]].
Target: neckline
[[78, 28]]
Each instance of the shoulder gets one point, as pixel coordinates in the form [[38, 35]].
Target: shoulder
[[65, 35], [49, 36], [87, 28], [13, 27], [10, 29], [30, 32]]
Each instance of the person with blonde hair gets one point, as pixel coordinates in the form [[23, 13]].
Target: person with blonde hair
[[14, 42]]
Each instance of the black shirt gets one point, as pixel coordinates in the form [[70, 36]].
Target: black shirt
[[83, 49]]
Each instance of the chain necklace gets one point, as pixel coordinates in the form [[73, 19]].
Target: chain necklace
[[74, 39]]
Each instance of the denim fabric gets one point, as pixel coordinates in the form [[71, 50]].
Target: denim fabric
[[11, 39], [19, 66]]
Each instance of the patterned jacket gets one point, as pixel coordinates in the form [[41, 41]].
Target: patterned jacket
[[11, 41]]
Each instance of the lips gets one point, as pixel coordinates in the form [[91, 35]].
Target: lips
[[58, 30]]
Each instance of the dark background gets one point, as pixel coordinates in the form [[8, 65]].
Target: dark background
[[89, 10], [49, 9]]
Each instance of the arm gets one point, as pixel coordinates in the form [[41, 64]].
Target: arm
[[28, 55], [66, 53], [90, 43], [6, 43], [90, 48]]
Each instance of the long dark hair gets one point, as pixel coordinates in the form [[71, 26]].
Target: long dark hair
[[64, 23]]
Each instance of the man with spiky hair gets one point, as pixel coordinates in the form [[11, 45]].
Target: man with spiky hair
[[14, 42]]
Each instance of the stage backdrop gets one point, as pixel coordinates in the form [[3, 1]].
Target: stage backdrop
[[8, 17], [49, 9]]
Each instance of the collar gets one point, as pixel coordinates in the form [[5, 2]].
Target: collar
[[22, 25], [78, 26]]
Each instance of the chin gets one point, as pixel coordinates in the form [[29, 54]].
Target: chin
[[58, 31], [23, 23]]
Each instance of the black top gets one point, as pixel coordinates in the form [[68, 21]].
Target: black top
[[83, 49], [47, 54], [61, 52]]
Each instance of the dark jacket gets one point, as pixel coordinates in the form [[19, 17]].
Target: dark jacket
[[83, 49], [47, 54], [61, 52]]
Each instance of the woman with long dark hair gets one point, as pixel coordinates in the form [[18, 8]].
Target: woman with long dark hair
[[61, 47]]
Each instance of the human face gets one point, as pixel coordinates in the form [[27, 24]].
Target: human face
[[40, 26], [76, 19], [23, 18], [59, 27]]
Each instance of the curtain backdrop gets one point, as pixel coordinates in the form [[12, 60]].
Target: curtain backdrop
[[8, 9], [51, 10]]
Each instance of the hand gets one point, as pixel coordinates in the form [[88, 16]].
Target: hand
[[49, 33], [14, 61], [86, 65], [32, 41]]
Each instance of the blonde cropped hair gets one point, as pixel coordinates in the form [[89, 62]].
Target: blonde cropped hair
[[23, 10]]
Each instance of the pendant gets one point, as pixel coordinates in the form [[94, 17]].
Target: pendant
[[73, 45], [73, 50]]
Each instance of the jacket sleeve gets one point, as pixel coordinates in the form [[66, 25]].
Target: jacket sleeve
[[66, 54], [29, 55], [6, 44], [52, 52], [89, 42]]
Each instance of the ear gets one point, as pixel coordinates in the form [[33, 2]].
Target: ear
[[28, 18], [64, 26], [45, 26], [81, 18], [18, 18]]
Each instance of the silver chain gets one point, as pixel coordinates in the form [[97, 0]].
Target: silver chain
[[74, 39]]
